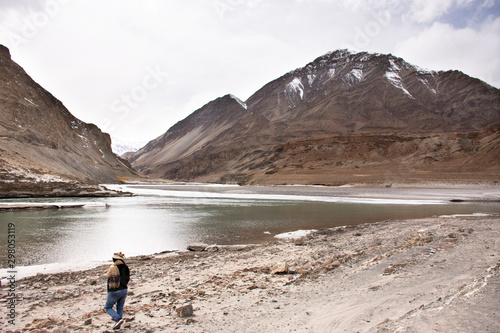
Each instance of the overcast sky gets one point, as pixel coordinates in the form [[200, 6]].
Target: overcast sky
[[136, 67]]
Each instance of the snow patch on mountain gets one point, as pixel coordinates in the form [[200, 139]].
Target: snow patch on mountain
[[423, 71], [396, 81], [353, 77], [426, 83], [310, 79], [295, 87], [293, 90], [357, 73], [243, 104], [19, 172], [392, 75], [394, 66], [339, 54], [85, 140], [30, 101], [425, 79]]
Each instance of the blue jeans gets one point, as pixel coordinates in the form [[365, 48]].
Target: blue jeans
[[115, 297]]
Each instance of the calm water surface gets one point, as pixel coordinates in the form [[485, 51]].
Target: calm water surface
[[151, 224]]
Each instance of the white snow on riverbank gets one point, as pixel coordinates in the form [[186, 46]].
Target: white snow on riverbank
[[152, 190], [22, 272], [467, 215], [297, 234], [41, 205]]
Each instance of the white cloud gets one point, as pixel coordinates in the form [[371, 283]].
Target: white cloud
[[442, 47], [90, 53], [428, 10]]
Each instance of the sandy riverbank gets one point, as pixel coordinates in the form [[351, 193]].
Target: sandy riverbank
[[436, 274]]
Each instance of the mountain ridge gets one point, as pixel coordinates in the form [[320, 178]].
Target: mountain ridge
[[43, 147], [339, 94]]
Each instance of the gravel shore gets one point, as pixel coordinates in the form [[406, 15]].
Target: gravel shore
[[435, 274]]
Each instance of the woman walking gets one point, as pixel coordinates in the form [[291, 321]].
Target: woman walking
[[118, 277]]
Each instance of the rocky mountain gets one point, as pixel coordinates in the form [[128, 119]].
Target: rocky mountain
[[345, 117], [44, 149]]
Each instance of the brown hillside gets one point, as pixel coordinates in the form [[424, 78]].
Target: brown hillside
[[42, 142], [340, 114]]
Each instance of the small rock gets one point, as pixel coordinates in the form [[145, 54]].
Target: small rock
[[389, 270], [330, 264], [281, 268], [301, 241], [260, 285], [197, 247], [87, 321], [385, 321], [212, 248], [185, 310]]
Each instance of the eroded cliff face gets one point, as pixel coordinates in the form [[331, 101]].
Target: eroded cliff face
[[42, 142], [343, 117]]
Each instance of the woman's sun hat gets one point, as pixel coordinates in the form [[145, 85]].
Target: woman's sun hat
[[118, 256]]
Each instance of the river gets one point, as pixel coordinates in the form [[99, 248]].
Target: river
[[158, 219]]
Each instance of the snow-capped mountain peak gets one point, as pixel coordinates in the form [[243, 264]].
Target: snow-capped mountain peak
[[121, 147]]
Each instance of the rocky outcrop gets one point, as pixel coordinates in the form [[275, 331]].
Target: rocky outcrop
[[42, 143], [184, 310], [323, 122]]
